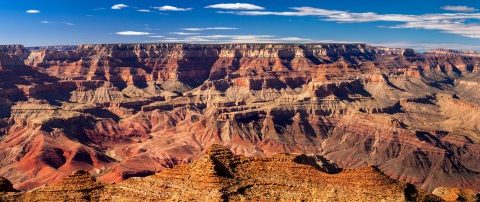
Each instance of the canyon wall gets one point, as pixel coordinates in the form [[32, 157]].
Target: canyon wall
[[219, 175], [130, 110]]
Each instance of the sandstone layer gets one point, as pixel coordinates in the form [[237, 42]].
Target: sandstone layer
[[131, 110], [219, 175]]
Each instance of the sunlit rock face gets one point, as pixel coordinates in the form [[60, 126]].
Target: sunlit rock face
[[129, 110], [219, 175]]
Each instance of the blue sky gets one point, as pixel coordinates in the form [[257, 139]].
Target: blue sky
[[421, 24]]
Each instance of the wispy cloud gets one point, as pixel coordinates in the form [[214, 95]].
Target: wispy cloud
[[293, 38], [119, 6], [157, 36], [132, 33], [459, 8], [54, 22], [171, 8], [143, 10], [32, 11], [239, 38], [184, 33], [453, 27], [236, 6], [208, 28], [424, 46], [454, 23]]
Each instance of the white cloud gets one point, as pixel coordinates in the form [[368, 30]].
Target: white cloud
[[156, 36], [453, 27], [119, 6], [293, 39], [53, 22], [459, 8], [143, 10], [332, 15], [133, 33], [454, 23], [238, 38], [32, 11], [184, 33], [425, 46], [172, 8], [208, 28], [236, 6]]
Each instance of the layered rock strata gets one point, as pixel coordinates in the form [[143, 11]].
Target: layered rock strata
[[132, 110], [219, 175]]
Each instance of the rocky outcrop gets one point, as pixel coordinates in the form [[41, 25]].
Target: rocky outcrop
[[127, 110], [220, 175], [456, 194], [12, 56]]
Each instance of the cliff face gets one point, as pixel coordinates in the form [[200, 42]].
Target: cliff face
[[12, 55], [121, 111], [191, 65]]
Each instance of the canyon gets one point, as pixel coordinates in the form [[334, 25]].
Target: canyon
[[128, 113], [219, 175]]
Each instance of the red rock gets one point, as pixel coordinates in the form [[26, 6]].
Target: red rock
[[120, 111]]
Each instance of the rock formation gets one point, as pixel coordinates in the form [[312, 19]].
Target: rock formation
[[131, 110], [456, 194], [220, 175]]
